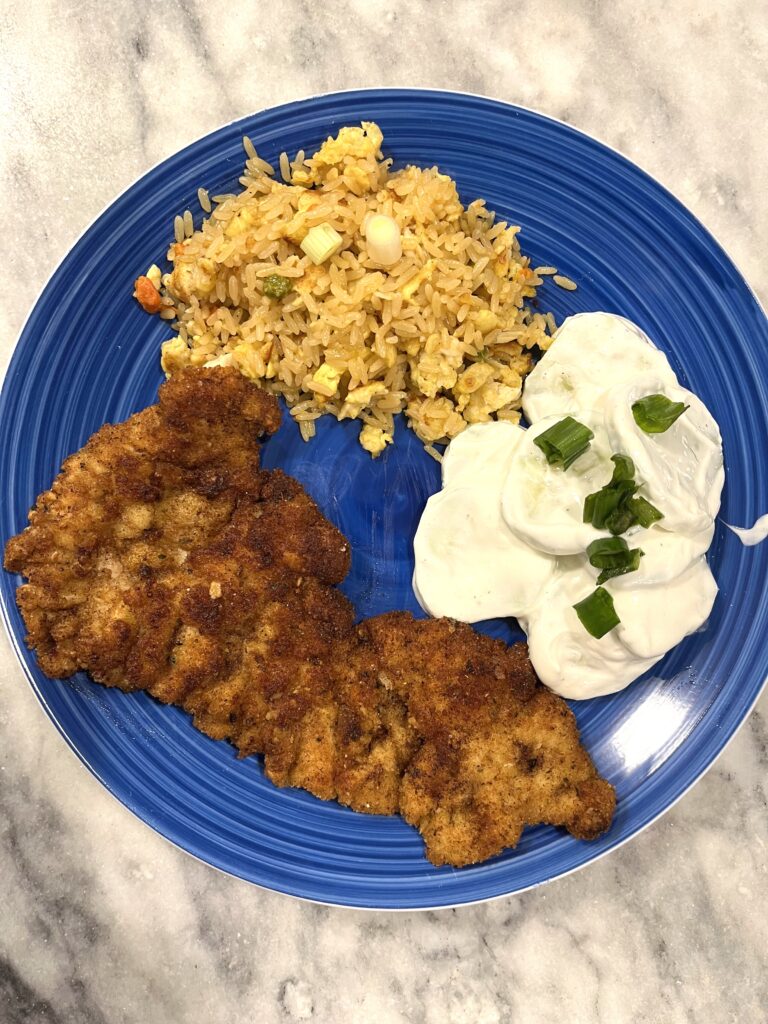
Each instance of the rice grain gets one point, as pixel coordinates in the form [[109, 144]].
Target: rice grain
[[204, 200], [565, 282]]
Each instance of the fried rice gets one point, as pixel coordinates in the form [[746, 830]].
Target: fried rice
[[443, 334]]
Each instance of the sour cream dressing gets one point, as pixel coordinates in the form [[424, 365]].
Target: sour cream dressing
[[682, 468], [542, 504], [505, 536], [469, 566], [595, 352], [749, 536]]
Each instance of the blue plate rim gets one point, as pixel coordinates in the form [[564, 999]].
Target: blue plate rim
[[8, 369]]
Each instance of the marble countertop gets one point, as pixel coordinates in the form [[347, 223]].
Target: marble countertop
[[104, 922]]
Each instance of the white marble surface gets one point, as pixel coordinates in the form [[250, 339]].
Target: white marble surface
[[101, 920]]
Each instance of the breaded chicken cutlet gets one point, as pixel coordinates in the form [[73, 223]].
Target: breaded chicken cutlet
[[165, 559]]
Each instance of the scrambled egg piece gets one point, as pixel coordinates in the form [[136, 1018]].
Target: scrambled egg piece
[[197, 356], [411, 287], [174, 355], [358, 179], [474, 377], [485, 320], [432, 373], [489, 399], [357, 143], [191, 275], [255, 362], [326, 380], [438, 364], [244, 218], [437, 418], [223, 360], [310, 278], [374, 439], [511, 378], [364, 395], [478, 395], [155, 275], [308, 201], [297, 227]]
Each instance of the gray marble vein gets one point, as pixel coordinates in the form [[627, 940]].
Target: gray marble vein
[[104, 922]]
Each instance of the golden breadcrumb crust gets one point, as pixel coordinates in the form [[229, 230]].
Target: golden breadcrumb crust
[[164, 559]]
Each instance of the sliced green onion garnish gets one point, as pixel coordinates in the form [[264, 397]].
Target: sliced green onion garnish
[[632, 565], [623, 469], [619, 521], [614, 507], [597, 613], [644, 512], [564, 442], [607, 552], [656, 413], [614, 557], [589, 507], [601, 505]]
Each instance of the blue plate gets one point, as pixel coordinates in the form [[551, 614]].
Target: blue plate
[[88, 355]]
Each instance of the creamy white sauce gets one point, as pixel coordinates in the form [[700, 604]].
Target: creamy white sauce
[[483, 449], [542, 504], [595, 352], [666, 555], [681, 470], [566, 658], [655, 619], [468, 564], [749, 536], [505, 536]]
